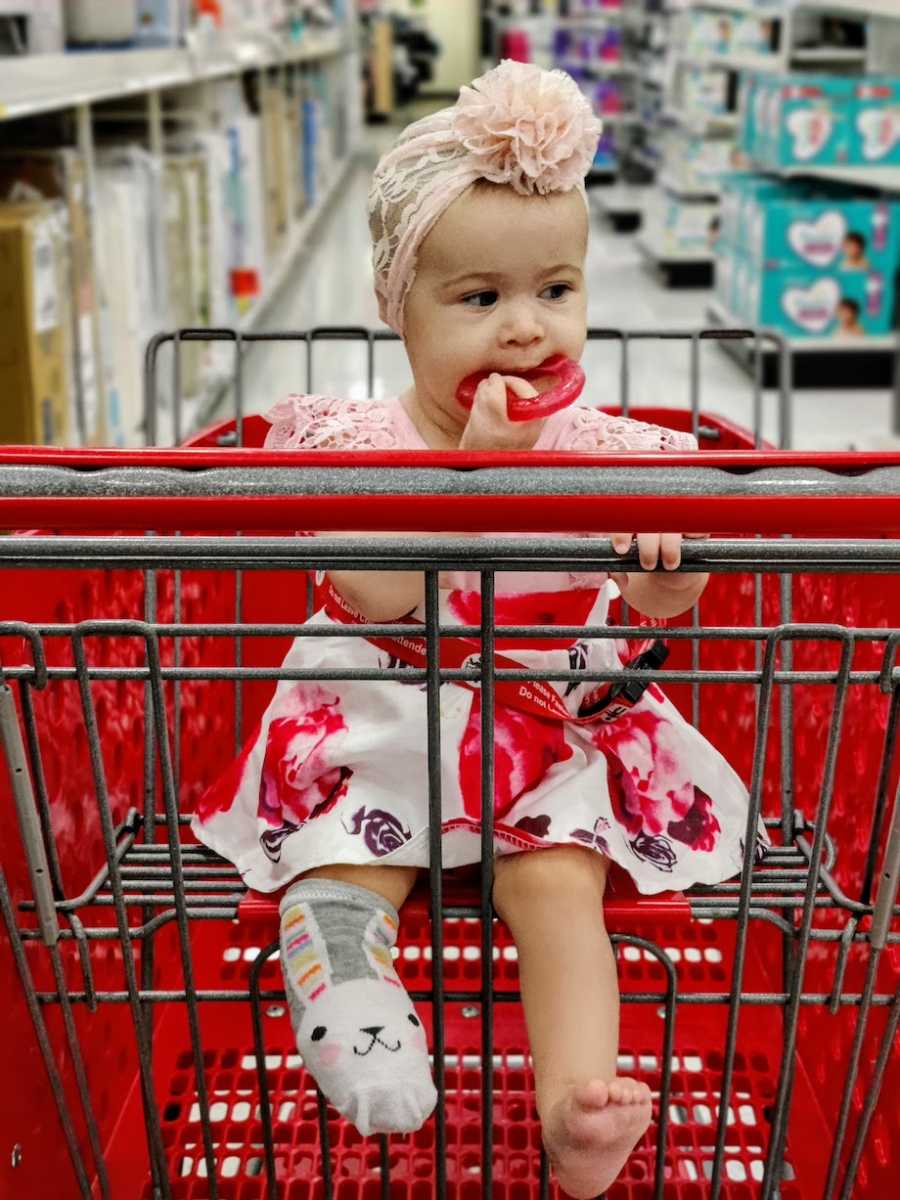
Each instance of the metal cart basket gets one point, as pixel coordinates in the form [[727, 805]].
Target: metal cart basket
[[146, 1046]]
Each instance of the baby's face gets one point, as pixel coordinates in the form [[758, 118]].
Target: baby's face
[[499, 286]]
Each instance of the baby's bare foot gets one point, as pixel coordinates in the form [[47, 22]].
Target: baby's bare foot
[[592, 1130]]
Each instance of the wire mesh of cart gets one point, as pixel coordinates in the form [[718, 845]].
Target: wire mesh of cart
[[143, 621]]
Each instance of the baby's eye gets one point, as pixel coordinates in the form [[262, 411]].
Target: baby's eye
[[556, 291], [480, 299]]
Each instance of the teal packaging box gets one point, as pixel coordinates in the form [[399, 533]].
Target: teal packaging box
[[875, 125], [840, 304], [809, 121], [799, 229]]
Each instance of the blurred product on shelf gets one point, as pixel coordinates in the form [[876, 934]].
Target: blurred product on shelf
[[99, 23], [400, 59], [712, 33], [164, 22], [706, 90], [678, 228], [810, 260], [31, 27], [35, 362], [821, 120], [60, 174], [697, 164]]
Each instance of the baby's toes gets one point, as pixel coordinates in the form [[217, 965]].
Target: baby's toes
[[591, 1095], [628, 1091]]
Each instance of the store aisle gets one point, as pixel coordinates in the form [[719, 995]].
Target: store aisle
[[332, 284]]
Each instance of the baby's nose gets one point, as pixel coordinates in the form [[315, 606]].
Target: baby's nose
[[522, 328]]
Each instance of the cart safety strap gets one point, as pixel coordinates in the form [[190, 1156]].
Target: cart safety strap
[[537, 697]]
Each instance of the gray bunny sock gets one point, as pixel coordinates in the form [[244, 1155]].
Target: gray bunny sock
[[355, 1024]]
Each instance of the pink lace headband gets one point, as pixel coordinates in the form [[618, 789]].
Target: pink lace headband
[[517, 125]]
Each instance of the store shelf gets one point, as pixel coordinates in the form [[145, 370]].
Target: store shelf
[[885, 178], [817, 362], [612, 120], [676, 268], [774, 9], [685, 191], [650, 162], [284, 264], [595, 67], [664, 256], [198, 410], [46, 82], [851, 8], [732, 62], [623, 205], [602, 17], [828, 55], [702, 123]]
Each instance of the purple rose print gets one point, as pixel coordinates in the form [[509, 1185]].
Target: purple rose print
[[655, 850], [382, 831], [272, 839], [536, 826], [593, 837], [698, 828]]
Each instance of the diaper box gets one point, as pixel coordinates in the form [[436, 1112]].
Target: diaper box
[[742, 197], [753, 35], [824, 233], [705, 90], [840, 304], [708, 32], [875, 122], [808, 122], [744, 290], [689, 227]]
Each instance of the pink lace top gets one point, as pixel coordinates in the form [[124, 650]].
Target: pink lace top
[[312, 422]]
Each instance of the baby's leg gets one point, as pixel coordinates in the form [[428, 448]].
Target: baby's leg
[[551, 901], [356, 1027]]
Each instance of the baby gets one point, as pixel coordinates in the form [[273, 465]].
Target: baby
[[479, 221]]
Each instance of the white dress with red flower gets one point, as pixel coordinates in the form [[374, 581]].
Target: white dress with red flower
[[337, 771]]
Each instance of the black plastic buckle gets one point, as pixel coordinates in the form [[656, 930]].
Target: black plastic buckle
[[627, 693]]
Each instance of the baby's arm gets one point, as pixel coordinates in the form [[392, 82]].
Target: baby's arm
[[381, 595], [388, 595]]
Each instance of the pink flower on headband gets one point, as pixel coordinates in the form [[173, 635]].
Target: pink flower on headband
[[529, 128]]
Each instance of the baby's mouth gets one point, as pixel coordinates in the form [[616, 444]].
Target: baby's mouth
[[540, 382]]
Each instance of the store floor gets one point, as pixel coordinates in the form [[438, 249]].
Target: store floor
[[332, 285]]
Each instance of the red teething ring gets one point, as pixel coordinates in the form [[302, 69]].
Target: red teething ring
[[569, 387]]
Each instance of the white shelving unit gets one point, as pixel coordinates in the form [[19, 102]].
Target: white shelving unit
[[47, 82], [664, 256], [178, 84]]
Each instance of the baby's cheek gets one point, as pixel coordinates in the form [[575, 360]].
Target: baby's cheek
[[328, 1053]]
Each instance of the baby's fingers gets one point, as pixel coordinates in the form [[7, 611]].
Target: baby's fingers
[[520, 387], [648, 549], [670, 550]]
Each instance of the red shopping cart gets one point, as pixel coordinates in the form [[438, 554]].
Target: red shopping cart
[[146, 1029]]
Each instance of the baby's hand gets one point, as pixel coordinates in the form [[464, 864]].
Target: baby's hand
[[654, 547], [489, 426]]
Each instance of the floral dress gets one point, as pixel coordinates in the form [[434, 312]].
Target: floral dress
[[337, 771]]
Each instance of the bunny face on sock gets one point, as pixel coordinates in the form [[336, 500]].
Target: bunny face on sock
[[348, 1023]]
